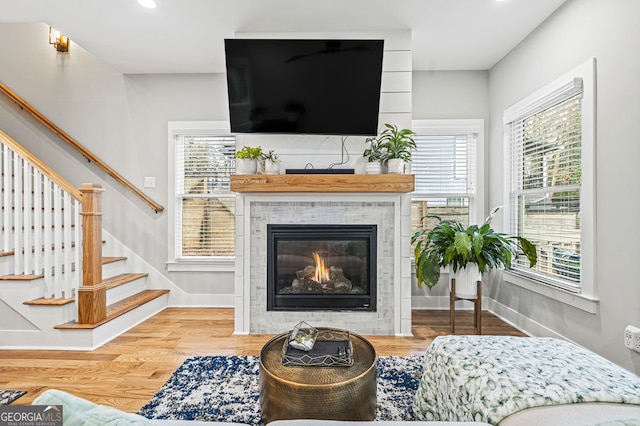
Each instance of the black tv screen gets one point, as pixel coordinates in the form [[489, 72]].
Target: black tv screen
[[327, 87]]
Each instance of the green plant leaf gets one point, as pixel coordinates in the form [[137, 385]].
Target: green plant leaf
[[529, 250], [462, 244]]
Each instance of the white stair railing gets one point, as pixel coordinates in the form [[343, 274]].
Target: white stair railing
[[41, 222]]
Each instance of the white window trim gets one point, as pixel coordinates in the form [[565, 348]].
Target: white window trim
[[456, 127], [587, 300], [222, 264]]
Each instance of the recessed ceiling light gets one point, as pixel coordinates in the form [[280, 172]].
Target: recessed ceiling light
[[147, 3]]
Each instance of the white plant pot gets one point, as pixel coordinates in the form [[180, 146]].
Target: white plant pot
[[246, 166], [271, 167], [395, 165], [373, 168], [466, 281]]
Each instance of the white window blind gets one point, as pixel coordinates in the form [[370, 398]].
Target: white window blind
[[445, 177], [205, 206], [546, 183]]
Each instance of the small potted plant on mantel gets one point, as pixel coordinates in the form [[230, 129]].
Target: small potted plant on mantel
[[247, 160], [270, 163], [468, 252], [374, 155], [398, 144]]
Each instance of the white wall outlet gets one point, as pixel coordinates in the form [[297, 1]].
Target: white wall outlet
[[632, 338], [149, 182]]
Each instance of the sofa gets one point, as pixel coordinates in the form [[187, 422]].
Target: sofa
[[80, 412]]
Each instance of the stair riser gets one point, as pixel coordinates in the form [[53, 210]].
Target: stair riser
[[49, 340], [6, 265], [23, 290], [113, 268], [52, 314], [121, 292]]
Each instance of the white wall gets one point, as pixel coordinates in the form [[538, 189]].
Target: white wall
[[450, 94], [447, 95], [579, 30]]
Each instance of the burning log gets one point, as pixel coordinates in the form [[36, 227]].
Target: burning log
[[336, 276], [306, 274], [319, 278]]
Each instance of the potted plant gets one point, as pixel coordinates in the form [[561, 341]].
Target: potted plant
[[374, 155], [463, 250], [270, 163], [247, 160], [398, 144]]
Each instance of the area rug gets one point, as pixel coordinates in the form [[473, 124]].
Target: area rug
[[225, 389], [8, 396]]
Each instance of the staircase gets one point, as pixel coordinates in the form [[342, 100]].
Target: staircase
[[52, 323], [57, 290]]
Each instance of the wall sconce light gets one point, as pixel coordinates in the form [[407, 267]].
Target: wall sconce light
[[60, 41]]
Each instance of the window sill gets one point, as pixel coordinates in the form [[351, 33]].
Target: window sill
[[213, 265], [579, 301]]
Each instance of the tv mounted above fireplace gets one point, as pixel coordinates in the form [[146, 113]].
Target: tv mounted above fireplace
[[313, 86]]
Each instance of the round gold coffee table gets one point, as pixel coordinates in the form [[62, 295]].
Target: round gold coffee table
[[313, 392]]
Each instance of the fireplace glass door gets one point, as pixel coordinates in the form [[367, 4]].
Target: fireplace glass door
[[321, 267]]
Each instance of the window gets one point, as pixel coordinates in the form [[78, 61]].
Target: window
[[446, 169], [204, 207], [550, 138]]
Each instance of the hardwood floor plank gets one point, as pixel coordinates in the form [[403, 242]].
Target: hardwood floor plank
[[126, 372]]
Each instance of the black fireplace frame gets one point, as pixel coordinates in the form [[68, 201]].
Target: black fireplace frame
[[328, 302]]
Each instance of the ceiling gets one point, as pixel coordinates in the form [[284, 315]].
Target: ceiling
[[186, 36]]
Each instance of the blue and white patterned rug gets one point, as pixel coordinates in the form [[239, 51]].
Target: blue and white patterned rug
[[8, 396], [225, 388]]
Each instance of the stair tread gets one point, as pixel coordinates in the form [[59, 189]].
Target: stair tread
[[120, 279], [117, 309], [107, 259], [49, 302], [21, 277]]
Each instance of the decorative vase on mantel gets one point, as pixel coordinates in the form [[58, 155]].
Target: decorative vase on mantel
[[373, 167], [246, 166], [271, 167], [395, 165]]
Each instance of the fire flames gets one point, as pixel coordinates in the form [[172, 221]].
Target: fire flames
[[322, 272]]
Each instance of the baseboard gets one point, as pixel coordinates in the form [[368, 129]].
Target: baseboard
[[519, 321]]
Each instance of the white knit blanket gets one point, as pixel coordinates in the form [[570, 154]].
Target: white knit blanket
[[486, 378]]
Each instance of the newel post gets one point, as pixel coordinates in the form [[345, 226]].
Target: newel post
[[92, 295]]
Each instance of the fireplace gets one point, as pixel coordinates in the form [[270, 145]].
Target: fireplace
[[321, 267]]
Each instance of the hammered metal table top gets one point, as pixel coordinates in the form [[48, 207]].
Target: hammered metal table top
[[364, 357]]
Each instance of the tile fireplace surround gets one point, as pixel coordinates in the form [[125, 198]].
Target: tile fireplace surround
[[382, 200]]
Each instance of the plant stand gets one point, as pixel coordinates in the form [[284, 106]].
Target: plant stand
[[477, 307]]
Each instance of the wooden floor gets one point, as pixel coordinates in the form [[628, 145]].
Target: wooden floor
[[129, 370]]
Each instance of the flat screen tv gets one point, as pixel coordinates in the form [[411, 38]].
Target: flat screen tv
[[326, 87]]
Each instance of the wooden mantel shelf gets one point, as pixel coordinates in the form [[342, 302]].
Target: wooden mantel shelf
[[322, 183]]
